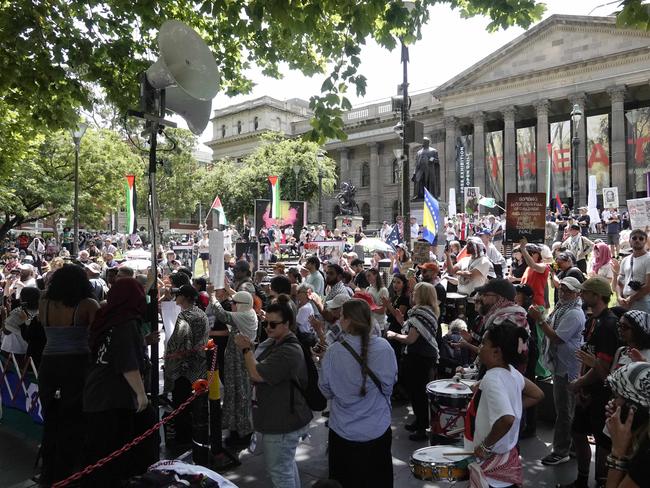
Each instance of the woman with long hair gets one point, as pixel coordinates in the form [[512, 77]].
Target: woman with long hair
[[421, 352], [115, 391], [357, 375], [401, 260], [378, 292], [66, 311], [494, 413]]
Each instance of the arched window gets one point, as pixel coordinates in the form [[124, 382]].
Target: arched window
[[256, 123], [223, 130], [397, 210], [365, 174], [239, 127], [365, 213], [394, 176]]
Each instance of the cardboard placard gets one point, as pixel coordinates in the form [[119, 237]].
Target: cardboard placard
[[420, 252], [610, 197], [217, 267], [471, 197], [639, 209], [525, 217]]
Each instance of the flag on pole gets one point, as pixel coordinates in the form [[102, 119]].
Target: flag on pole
[[430, 218], [218, 207], [393, 238], [131, 222], [487, 202], [558, 203], [275, 196]]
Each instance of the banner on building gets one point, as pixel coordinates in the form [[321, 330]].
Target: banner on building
[[249, 252], [525, 217], [471, 197], [526, 160], [464, 161], [639, 209], [494, 164], [638, 148], [610, 197], [561, 159], [598, 149]]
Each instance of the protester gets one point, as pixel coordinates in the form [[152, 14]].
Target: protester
[[579, 245], [536, 274], [379, 293], [281, 414], [517, 267], [358, 375], [66, 311], [612, 220], [11, 338], [634, 276], [634, 331], [315, 278]]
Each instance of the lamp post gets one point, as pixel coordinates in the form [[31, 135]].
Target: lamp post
[[296, 171], [77, 134], [320, 191], [576, 117]]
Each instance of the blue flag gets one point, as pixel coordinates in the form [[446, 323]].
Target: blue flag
[[430, 218], [393, 238]]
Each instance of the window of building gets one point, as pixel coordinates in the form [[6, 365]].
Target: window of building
[[394, 175], [365, 174], [256, 123], [239, 127], [365, 213], [223, 130]]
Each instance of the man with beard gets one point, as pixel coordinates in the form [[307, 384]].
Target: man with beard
[[634, 277], [565, 268], [242, 276]]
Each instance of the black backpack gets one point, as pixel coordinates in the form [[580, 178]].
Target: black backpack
[[312, 394]]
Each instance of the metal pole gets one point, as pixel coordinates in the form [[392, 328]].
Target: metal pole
[[406, 187], [575, 192], [320, 196], [75, 241]]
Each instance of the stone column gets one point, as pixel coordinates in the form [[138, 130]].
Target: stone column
[[344, 165], [580, 100], [542, 141], [375, 185], [509, 150], [450, 170], [618, 155], [480, 172]]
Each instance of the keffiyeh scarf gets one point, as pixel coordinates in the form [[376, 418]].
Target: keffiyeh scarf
[[632, 382]]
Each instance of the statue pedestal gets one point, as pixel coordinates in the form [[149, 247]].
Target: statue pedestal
[[349, 223]]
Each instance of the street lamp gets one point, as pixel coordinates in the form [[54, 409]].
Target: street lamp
[[77, 133], [320, 156], [296, 171], [576, 117]]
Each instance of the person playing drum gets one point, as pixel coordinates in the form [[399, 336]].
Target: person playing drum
[[494, 413]]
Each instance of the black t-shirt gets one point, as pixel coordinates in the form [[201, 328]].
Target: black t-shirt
[[639, 467], [519, 269], [584, 229], [601, 340], [121, 349], [398, 301]]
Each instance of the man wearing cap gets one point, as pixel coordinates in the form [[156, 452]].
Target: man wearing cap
[[563, 337], [492, 253], [100, 288], [634, 275], [331, 331], [565, 268], [579, 245], [601, 342]]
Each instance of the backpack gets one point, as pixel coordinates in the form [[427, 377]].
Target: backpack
[[312, 394]]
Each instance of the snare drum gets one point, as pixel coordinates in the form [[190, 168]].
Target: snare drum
[[448, 400], [455, 306], [436, 464]]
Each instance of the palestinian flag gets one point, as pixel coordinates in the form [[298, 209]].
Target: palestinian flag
[[275, 196], [131, 222], [218, 207]]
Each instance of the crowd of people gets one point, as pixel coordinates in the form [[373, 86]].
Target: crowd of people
[[347, 336]]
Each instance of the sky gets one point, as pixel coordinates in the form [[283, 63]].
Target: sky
[[449, 45]]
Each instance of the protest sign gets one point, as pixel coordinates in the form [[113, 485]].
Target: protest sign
[[525, 216], [217, 268], [420, 252], [639, 209], [610, 197]]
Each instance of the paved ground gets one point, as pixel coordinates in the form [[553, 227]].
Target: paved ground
[[19, 441]]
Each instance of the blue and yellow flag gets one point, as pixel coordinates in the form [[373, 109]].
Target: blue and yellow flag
[[431, 218]]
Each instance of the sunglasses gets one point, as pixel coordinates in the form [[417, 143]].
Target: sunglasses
[[272, 324], [637, 238]]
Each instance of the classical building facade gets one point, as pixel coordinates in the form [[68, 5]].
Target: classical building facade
[[504, 125]]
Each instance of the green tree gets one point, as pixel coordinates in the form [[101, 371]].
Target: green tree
[[55, 55], [238, 185], [41, 184]]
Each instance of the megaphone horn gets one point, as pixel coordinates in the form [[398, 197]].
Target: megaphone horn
[[185, 61], [195, 112]]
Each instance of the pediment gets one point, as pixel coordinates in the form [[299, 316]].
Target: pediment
[[560, 40]]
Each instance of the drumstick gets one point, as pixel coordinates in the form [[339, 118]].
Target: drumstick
[[462, 453]]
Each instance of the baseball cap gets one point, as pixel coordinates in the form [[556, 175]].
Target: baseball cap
[[366, 297], [337, 301], [597, 285], [525, 289], [500, 287], [430, 266], [571, 283], [484, 232], [574, 227]]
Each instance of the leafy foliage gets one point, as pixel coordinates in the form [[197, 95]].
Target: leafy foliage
[[238, 185], [635, 14], [54, 55]]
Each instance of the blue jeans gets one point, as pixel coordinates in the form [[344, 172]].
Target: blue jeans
[[280, 457]]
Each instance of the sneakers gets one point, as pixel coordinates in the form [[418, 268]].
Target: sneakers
[[554, 459]]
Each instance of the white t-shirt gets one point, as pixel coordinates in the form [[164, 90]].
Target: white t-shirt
[[302, 319], [634, 269], [606, 271], [377, 295], [204, 246], [466, 284], [501, 394]]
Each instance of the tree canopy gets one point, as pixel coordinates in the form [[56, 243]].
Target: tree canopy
[[59, 55], [239, 184]]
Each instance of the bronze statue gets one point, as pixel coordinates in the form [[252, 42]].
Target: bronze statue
[[427, 171], [346, 199]]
